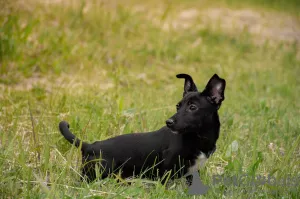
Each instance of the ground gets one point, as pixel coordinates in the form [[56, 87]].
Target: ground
[[109, 67]]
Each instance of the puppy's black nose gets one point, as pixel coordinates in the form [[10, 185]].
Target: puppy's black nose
[[169, 122]]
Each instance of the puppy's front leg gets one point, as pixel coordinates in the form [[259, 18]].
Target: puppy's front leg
[[197, 187], [189, 180], [167, 165]]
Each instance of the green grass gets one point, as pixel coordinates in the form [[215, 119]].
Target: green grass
[[291, 6], [106, 68]]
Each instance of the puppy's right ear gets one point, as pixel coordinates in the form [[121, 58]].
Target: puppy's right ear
[[189, 85], [214, 90]]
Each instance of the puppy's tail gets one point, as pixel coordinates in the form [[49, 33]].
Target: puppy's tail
[[64, 129]]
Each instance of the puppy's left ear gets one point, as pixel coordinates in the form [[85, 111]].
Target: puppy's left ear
[[214, 90], [189, 85]]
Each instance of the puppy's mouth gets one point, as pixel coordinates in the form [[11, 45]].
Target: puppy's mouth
[[177, 131], [173, 130]]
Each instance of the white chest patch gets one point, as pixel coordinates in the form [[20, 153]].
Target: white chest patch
[[199, 162]]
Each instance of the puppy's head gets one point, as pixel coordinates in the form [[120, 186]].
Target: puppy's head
[[197, 108]]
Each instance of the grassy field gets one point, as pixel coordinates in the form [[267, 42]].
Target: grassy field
[[105, 67]]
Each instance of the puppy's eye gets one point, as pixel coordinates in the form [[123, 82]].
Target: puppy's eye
[[193, 107]]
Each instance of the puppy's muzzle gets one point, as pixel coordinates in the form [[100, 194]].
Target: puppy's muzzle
[[170, 123]]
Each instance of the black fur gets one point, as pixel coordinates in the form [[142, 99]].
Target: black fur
[[174, 147]]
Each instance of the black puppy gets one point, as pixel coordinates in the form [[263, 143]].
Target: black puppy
[[176, 149]]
